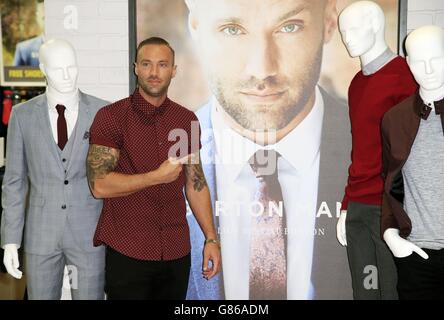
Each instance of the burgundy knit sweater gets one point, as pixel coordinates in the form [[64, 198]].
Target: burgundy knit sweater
[[369, 98]]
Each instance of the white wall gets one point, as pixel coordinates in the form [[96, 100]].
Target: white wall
[[98, 30], [425, 12]]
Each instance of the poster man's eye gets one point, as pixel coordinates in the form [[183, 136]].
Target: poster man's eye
[[290, 28], [232, 31]]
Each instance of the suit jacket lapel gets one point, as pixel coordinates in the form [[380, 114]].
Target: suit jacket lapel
[[208, 153], [82, 123], [410, 126], [45, 128], [334, 160]]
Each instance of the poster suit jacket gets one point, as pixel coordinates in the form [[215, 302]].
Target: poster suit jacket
[[27, 52], [37, 184], [330, 274]]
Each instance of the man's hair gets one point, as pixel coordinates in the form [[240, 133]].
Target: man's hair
[[157, 41]]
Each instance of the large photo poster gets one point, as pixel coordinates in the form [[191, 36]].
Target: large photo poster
[[269, 79], [21, 34]]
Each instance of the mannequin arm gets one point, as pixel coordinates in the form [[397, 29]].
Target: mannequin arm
[[340, 228], [11, 261], [401, 247]]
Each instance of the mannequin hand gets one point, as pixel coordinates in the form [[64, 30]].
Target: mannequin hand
[[11, 261], [340, 228], [401, 247]]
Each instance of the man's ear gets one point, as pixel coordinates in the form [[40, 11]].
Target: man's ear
[[174, 71], [331, 20], [135, 68]]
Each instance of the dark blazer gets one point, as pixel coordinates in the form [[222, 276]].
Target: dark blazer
[[399, 128]]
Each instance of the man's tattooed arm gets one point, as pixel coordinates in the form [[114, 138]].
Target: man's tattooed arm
[[195, 175], [107, 183], [101, 161], [198, 196]]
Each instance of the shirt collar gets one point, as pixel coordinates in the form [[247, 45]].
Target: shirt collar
[[299, 148], [146, 108], [423, 108], [71, 105], [377, 64]]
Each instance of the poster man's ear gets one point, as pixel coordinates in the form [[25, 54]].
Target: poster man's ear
[[192, 25], [331, 20]]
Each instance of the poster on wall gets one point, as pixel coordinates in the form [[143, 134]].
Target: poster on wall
[[273, 67], [21, 34]]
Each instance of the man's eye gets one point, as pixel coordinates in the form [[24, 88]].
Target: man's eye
[[232, 31], [289, 28]]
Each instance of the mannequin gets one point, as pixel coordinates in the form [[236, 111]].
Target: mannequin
[[413, 226], [62, 214], [384, 78]]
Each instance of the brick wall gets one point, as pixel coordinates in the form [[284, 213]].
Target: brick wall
[[98, 30], [424, 12]]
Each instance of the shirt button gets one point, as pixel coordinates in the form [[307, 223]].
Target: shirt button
[[160, 143], [66, 182], [64, 206], [64, 160]]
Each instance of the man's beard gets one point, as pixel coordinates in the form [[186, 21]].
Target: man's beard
[[275, 116], [154, 93]]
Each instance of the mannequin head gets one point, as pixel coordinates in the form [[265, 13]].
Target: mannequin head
[[59, 65], [362, 27], [425, 57]]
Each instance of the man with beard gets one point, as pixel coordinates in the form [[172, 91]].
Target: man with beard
[[274, 147], [133, 165]]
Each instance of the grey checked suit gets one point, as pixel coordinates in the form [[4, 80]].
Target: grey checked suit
[[46, 198]]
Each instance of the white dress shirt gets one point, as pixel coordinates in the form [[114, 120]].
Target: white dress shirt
[[71, 114], [298, 171]]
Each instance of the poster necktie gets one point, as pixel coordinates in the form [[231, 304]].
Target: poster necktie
[[268, 243], [62, 130]]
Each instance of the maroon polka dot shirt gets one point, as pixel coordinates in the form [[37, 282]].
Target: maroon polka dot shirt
[[150, 224]]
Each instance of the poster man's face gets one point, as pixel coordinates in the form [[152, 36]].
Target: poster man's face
[[262, 58], [40, 16]]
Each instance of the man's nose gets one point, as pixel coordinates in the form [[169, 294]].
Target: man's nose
[[263, 60], [154, 70]]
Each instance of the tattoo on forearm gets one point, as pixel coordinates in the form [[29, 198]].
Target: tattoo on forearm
[[101, 160], [196, 174]]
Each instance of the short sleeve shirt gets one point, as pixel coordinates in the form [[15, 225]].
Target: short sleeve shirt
[[150, 224]]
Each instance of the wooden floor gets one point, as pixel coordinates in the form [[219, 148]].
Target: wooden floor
[[11, 288]]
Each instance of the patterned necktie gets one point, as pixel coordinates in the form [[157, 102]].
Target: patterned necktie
[[62, 130], [268, 246]]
